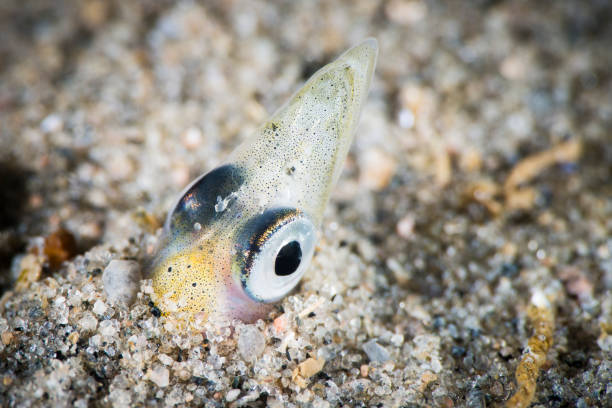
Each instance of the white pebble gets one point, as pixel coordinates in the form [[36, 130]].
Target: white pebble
[[121, 281], [99, 307], [160, 376], [397, 340], [251, 343], [405, 118], [95, 341], [538, 298], [52, 123], [376, 353], [109, 328], [120, 397], [165, 359], [88, 322], [232, 395], [192, 138]]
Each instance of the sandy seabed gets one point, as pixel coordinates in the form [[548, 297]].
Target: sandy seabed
[[469, 239]]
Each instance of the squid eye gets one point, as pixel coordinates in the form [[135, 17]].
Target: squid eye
[[277, 248]]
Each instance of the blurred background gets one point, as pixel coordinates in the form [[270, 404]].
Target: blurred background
[[108, 105]]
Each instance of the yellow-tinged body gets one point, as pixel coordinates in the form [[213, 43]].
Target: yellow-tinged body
[[241, 236]]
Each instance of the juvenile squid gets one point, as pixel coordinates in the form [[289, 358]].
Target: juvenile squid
[[241, 236]]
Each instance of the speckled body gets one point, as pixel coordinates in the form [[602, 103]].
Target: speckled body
[[281, 175]]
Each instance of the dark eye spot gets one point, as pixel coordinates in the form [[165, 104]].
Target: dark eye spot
[[198, 204], [288, 259]]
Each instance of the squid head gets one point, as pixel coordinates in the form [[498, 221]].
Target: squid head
[[241, 236]]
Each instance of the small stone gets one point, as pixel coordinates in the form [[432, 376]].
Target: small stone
[[251, 343], [73, 337], [99, 307], [515, 67], [280, 324], [453, 331], [406, 12], [59, 247], [180, 174], [109, 328], [6, 337], [397, 340], [438, 322], [376, 353], [165, 359], [576, 283], [497, 389], [405, 227], [121, 281], [89, 322], [364, 369], [30, 270], [311, 366], [458, 351], [405, 118], [445, 401], [605, 342], [160, 376], [274, 403], [52, 123], [192, 138], [232, 395], [297, 378], [427, 378], [425, 348], [506, 352], [400, 273]]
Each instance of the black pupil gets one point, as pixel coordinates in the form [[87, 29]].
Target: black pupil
[[288, 259]]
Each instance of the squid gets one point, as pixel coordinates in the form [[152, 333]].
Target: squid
[[241, 236]]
